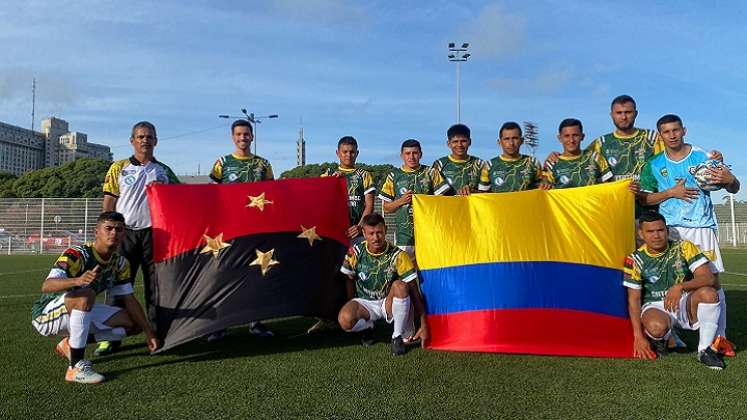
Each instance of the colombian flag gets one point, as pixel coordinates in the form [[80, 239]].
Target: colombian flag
[[537, 272]]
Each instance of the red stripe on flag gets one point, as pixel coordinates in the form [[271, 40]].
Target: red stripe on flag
[[181, 214], [533, 331]]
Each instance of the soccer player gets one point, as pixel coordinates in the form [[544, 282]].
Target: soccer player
[[574, 168], [510, 171], [460, 170], [68, 305], [241, 166], [124, 192], [400, 185], [668, 180], [384, 282], [670, 285]]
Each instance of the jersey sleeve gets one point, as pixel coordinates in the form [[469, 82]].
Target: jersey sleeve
[[632, 273], [368, 183], [122, 285], [440, 186], [173, 179], [548, 174], [605, 173], [387, 193], [111, 181], [405, 269], [648, 181], [216, 174], [537, 172], [484, 184], [68, 265], [350, 263], [658, 143], [269, 176], [694, 257]]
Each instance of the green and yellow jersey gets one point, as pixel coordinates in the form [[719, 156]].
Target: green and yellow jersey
[[587, 168], [374, 273], [231, 168], [626, 155], [654, 274], [459, 173], [77, 260], [422, 180], [501, 174], [359, 183]]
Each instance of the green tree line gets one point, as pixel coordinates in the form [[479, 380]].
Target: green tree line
[[81, 178]]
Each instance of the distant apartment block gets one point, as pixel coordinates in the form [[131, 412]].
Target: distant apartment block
[[23, 150]]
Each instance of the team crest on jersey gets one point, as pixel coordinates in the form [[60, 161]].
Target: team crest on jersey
[[612, 161], [691, 169], [232, 177], [499, 181], [129, 179], [664, 172], [362, 276], [564, 179], [402, 190]]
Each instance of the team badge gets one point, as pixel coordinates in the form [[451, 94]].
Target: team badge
[[232, 177], [564, 180], [362, 276], [499, 181], [129, 179], [664, 172], [612, 161], [653, 279]]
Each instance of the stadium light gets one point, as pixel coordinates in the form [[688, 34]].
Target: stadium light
[[253, 120], [458, 55]]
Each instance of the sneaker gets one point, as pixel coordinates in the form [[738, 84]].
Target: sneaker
[[63, 348], [711, 359], [83, 373], [106, 347], [398, 346], [724, 346], [321, 326], [675, 343], [259, 329], [659, 347], [217, 336], [368, 338]]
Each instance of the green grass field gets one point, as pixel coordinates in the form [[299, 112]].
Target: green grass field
[[331, 376]]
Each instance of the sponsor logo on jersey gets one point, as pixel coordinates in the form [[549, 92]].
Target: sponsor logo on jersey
[[362, 276], [653, 279], [499, 181], [130, 179], [403, 190], [612, 161], [564, 180], [232, 177], [692, 169]]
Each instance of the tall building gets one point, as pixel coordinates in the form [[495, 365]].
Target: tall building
[[23, 150], [300, 149]]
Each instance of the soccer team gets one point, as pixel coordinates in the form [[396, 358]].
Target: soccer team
[[672, 279]]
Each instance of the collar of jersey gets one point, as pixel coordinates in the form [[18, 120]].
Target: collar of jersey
[[561, 157], [242, 157], [380, 253], [651, 254], [340, 168], [459, 160], [98, 257], [666, 155], [510, 160], [408, 170], [618, 136], [134, 161]]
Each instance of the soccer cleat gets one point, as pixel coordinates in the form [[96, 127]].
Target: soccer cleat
[[83, 373], [106, 347], [368, 338], [724, 346], [259, 329], [659, 347], [217, 336], [711, 359], [63, 348], [321, 326], [398, 346]]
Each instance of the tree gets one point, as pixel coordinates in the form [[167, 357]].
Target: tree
[[81, 178], [6, 185]]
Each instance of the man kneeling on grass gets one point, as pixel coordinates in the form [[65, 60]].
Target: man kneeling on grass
[[385, 283], [670, 285], [68, 304]]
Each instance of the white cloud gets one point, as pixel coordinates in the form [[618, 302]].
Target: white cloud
[[495, 33]]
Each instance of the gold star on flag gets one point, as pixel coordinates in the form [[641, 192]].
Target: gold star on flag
[[258, 202], [214, 245], [309, 234], [264, 260]]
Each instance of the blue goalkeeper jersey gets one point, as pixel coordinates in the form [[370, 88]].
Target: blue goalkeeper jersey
[[661, 173]]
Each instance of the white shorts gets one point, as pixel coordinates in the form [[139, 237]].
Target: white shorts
[[377, 310], [705, 239], [680, 319], [55, 319]]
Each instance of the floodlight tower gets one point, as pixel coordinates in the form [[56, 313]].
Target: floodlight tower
[[458, 55], [531, 135], [253, 120]]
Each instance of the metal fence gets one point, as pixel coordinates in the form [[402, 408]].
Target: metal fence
[[49, 225]]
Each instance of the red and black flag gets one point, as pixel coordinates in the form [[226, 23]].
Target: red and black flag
[[229, 254]]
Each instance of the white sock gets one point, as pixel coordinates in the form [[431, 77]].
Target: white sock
[[722, 316], [115, 334], [80, 322], [400, 309], [708, 314], [361, 325], [664, 337]]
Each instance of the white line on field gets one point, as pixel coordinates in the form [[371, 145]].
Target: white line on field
[[735, 274], [11, 273]]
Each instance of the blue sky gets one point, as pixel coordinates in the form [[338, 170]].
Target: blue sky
[[375, 70]]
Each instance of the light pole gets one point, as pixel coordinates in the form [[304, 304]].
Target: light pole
[[253, 120], [458, 55]]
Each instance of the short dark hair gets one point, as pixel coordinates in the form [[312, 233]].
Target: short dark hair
[[143, 124], [509, 126], [349, 140], [669, 118], [651, 216], [623, 99], [242, 123], [373, 219], [410, 143], [110, 216], [570, 122], [457, 130]]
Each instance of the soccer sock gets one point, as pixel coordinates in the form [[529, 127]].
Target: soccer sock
[[362, 324], [664, 337], [708, 314], [80, 322], [722, 316], [115, 334], [400, 309]]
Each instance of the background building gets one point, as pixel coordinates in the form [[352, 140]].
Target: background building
[[23, 150]]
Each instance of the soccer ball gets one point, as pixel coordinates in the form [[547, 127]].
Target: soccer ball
[[701, 175]]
